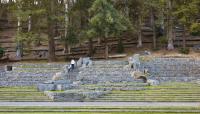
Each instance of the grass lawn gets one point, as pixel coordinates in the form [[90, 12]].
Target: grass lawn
[[96, 113], [99, 110]]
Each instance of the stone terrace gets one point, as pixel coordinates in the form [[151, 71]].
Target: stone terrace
[[106, 71], [29, 74], [172, 69]]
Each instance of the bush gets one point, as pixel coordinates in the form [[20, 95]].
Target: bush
[[195, 29], [163, 41], [120, 47], [2, 52], [184, 50]]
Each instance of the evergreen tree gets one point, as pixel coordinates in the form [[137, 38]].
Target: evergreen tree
[[106, 21]]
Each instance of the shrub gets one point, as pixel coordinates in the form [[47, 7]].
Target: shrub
[[120, 47], [163, 41], [195, 29], [2, 51], [184, 50]]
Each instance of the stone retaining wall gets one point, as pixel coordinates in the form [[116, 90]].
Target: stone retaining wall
[[172, 69]]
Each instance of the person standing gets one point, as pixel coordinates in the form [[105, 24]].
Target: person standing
[[73, 64]]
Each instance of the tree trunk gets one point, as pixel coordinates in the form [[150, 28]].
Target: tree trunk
[[51, 41], [69, 49], [51, 26], [139, 32], [29, 23], [184, 37], [65, 49], [106, 46], [106, 50], [154, 28], [19, 51], [170, 26], [90, 48]]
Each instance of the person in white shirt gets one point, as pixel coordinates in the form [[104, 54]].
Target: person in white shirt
[[73, 64]]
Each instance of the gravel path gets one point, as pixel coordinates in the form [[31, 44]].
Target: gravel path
[[107, 104]]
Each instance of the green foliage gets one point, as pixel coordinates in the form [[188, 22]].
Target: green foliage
[[163, 41], [106, 20], [71, 38], [195, 29], [27, 38], [184, 50], [120, 46], [2, 52]]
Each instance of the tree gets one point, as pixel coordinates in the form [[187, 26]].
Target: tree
[[52, 13], [186, 13], [106, 21], [79, 20], [137, 14], [170, 35], [154, 8]]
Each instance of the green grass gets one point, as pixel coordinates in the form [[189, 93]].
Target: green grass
[[114, 110], [28, 94], [99, 110], [97, 113], [167, 92]]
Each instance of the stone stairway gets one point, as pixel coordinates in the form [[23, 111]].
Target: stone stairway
[[29, 74], [106, 71]]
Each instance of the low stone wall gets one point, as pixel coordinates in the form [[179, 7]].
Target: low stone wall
[[74, 95], [172, 69]]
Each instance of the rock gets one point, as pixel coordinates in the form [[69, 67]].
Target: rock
[[95, 94], [87, 62], [46, 87], [58, 76], [66, 96], [137, 74], [65, 68], [80, 62], [62, 87], [77, 83], [49, 82], [145, 53], [134, 62], [62, 82], [196, 47], [153, 82]]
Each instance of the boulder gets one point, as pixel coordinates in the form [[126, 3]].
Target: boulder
[[65, 68], [66, 96], [153, 82], [134, 62], [80, 62], [139, 75], [46, 87], [87, 62], [58, 76], [62, 87], [145, 53]]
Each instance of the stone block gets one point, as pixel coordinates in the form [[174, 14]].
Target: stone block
[[46, 87]]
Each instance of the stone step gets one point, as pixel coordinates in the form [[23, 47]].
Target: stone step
[[110, 62], [107, 66], [13, 74], [19, 83], [183, 100], [28, 100], [147, 97]]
